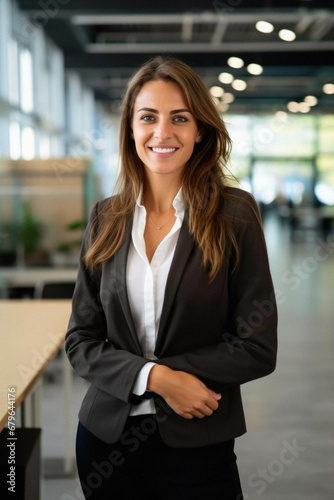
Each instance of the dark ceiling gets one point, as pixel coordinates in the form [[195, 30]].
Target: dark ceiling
[[106, 40]]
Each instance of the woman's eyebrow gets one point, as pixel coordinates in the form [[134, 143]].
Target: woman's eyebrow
[[173, 112], [182, 110]]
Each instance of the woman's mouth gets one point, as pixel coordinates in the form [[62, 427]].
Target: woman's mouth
[[163, 150]]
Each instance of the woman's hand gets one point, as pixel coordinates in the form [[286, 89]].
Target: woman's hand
[[186, 394]]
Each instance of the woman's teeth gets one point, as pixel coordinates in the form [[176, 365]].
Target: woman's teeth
[[163, 150]]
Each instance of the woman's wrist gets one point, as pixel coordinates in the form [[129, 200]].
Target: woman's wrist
[[157, 379]]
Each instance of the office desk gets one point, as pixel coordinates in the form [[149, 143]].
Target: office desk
[[31, 334]]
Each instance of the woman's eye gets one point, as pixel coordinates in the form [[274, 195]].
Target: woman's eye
[[180, 119], [147, 118], [151, 118]]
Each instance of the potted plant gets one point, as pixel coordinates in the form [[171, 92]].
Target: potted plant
[[25, 236], [67, 253]]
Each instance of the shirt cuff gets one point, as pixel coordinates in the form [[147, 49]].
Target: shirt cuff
[[140, 386]]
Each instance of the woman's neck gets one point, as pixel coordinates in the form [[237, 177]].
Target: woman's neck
[[158, 195]]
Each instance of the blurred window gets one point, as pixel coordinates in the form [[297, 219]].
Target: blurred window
[[13, 72], [295, 136], [28, 143], [26, 81], [239, 128], [325, 182], [289, 180], [44, 146], [326, 135], [14, 141]]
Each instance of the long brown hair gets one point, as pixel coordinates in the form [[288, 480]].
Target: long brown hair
[[204, 180]]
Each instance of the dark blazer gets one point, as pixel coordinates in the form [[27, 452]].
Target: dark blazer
[[224, 332]]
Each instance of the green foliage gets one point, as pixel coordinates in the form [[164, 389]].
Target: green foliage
[[27, 232], [78, 224], [31, 230], [68, 246]]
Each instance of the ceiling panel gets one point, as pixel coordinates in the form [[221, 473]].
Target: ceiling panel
[[106, 40]]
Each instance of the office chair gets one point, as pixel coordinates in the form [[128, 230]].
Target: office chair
[[54, 290]]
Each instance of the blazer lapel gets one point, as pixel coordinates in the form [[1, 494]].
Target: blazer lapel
[[120, 271], [182, 252]]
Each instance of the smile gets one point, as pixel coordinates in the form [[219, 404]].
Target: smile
[[163, 150]]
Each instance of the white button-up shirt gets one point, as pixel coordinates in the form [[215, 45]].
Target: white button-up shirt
[[146, 283]]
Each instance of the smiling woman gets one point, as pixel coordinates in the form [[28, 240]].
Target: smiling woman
[[164, 130], [203, 181], [170, 267], [165, 133]]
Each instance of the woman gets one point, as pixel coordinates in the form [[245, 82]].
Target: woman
[[174, 305]]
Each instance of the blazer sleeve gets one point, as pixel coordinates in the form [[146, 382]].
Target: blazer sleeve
[[89, 351], [248, 345]]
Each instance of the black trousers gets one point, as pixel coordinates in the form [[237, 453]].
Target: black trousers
[[140, 466]]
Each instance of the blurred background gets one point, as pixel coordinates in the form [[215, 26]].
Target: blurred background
[[269, 65]]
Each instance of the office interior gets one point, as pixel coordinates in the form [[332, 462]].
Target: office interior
[[64, 66]]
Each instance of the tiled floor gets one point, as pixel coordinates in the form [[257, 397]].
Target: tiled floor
[[288, 452]]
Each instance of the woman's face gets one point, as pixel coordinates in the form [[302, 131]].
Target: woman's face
[[163, 128]]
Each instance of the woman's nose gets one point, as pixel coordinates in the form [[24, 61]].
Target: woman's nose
[[162, 130]]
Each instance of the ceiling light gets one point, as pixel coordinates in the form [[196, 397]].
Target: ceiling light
[[222, 106], [293, 106], [281, 115], [225, 78], [254, 69], [304, 107], [239, 85], [264, 27], [228, 97], [235, 62], [216, 91], [287, 35], [328, 88], [311, 100]]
